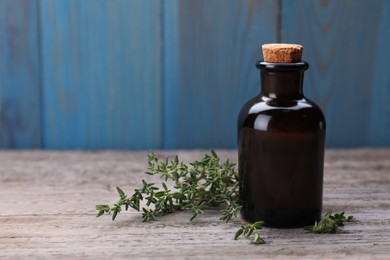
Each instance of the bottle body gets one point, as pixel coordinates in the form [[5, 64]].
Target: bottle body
[[281, 137]]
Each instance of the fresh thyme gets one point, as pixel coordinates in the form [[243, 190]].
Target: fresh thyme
[[198, 186], [330, 223], [251, 229]]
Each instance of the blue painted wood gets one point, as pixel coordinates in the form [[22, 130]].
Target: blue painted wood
[[19, 75], [379, 134], [101, 64], [174, 74], [210, 51], [346, 44]]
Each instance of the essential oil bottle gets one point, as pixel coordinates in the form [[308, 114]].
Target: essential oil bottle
[[281, 136]]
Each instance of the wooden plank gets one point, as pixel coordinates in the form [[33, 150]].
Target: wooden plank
[[210, 51], [379, 134], [47, 211], [101, 74], [346, 46], [19, 75]]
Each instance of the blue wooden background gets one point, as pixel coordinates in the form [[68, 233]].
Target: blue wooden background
[[134, 74]]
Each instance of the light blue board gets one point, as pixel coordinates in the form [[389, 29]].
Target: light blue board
[[101, 67], [346, 44], [210, 52], [19, 75]]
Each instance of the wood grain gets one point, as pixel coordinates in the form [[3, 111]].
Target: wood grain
[[210, 51], [48, 198], [19, 75], [101, 74], [345, 44]]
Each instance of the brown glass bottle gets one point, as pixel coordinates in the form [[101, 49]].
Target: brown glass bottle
[[281, 138]]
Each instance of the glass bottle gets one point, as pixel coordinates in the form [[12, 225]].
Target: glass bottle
[[281, 137]]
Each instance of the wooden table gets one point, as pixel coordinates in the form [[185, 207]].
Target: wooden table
[[47, 202]]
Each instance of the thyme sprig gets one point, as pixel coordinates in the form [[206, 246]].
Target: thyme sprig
[[251, 231], [329, 223], [196, 186]]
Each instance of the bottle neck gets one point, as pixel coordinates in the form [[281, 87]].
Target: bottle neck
[[282, 84], [282, 80]]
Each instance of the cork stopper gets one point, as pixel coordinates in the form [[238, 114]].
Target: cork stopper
[[282, 52]]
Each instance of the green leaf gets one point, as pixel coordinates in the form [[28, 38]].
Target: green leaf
[[120, 192], [250, 231], [238, 233], [159, 194], [258, 224], [165, 186], [257, 239], [114, 214], [179, 196], [176, 160], [102, 207], [100, 213]]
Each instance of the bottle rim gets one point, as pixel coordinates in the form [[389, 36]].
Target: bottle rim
[[272, 66]]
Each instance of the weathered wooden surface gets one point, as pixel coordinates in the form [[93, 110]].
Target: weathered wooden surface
[[47, 204]]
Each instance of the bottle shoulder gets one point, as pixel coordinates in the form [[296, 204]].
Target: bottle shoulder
[[265, 113], [261, 105]]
